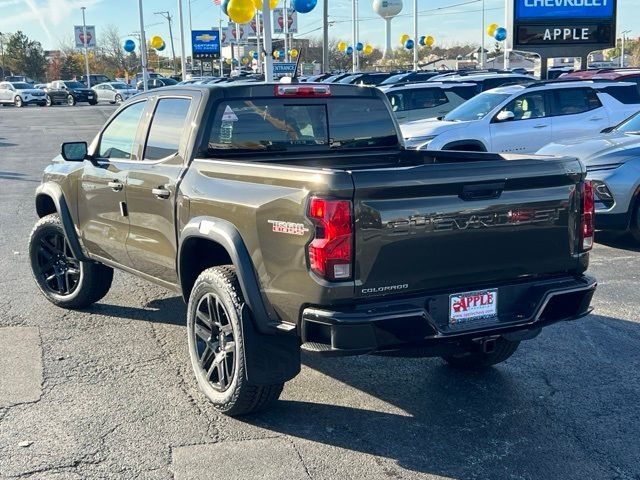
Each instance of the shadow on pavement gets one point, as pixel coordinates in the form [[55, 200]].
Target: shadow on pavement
[[624, 241], [171, 311], [16, 176], [533, 414], [6, 144]]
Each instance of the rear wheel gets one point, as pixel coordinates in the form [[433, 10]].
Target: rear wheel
[[49, 101], [635, 221], [18, 101], [478, 360], [118, 98], [71, 101], [64, 280], [216, 344]]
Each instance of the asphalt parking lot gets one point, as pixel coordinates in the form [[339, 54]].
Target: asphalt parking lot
[[109, 393]]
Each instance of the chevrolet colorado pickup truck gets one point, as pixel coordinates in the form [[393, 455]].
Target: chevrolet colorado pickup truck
[[290, 217]]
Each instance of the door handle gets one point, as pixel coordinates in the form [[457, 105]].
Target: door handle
[[161, 192], [540, 126], [115, 185], [595, 119]]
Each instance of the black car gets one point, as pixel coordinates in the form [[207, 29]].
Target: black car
[[408, 77], [69, 92], [373, 78], [157, 83], [95, 79]]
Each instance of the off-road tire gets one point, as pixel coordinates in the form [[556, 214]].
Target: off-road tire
[[94, 279], [479, 360], [240, 397]]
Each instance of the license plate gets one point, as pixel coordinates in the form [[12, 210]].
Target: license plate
[[472, 306]]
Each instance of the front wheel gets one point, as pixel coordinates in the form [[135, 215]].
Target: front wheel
[[71, 101], [49, 101], [635, 221], [216, 346], [18, 102], [64, 280], [118, 99], [478, 360]]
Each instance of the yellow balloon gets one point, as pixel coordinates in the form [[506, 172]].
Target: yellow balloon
[[491, 29], [368, 49], [257, 4], [293, 52], [429, 40], [273, 4], [245, 60], [404, 38], [156, 42], [241, 11], [342, 46], [276, 54], [228, 61]]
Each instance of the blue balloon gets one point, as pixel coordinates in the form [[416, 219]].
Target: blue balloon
[[422, 40], [225, 4], [408, 44], [256, 55], [500, 34], [235, 61], [359, 46], [162, 47], [304, 6], [349, 51], [281, 54], [129, 46]]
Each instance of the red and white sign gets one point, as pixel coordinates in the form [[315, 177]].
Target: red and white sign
[[468, 306], [278, 20], [78, 33]]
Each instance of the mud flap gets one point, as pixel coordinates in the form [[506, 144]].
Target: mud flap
[[268, 359]]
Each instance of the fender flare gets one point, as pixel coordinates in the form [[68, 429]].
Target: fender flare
[[54, 193], [452, 145], [227, 235], [271, 355]]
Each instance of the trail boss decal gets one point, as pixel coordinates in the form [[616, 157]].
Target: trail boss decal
[[289, 228]]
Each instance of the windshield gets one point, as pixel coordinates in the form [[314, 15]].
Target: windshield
[[348, 79], [21, 85], [395, 79], [75, 85], [630, 125], [477, 108], [168, 81]]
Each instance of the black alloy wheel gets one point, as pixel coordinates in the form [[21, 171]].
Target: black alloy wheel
[[215, 342], [60, 272]]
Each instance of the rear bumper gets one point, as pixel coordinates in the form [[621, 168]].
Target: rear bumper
[[523, 309]]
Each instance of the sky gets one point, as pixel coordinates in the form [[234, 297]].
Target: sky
[[448, 21]]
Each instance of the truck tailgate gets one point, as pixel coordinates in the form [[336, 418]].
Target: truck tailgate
[[444, 225]]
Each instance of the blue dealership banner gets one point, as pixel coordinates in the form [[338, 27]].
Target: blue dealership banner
[[563, 9], [205, 43]]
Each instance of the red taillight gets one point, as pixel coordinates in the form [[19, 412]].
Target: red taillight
[[330, 252], [302, 91], [588, 215]]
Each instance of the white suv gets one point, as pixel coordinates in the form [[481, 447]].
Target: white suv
[[522, 119], [417, 101], [21, 94]]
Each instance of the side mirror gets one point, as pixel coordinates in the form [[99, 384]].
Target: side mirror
[[505, 116], [607, 130], [74, 151]]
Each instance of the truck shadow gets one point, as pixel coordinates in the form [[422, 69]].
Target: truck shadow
[[168, 310], [542, 410], [622, 241]]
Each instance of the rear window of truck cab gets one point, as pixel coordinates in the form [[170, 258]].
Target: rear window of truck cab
[[276, 125]]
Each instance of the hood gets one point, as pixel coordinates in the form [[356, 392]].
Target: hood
[[614, 147], [426, 128], [31, 91], [81, 90]]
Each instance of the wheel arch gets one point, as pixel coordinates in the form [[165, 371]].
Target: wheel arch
[[207, 242], [466, 146], [50, 199]]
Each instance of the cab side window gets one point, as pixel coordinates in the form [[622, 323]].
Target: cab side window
[[527, 106], [119, 137], [427, 98], [571, 101], [167, 128]]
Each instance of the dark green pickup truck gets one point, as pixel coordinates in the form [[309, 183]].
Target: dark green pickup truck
[[290, 217]]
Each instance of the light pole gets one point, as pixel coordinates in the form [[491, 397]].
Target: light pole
[[286, 30], [482, 34], [84, 42], [325, 36], [415, 35], [623, 33], [183, 60], [354, 35], [167, 17], [268, 46], [143, 48]]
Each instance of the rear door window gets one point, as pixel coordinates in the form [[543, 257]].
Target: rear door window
[[627, 94], [167, 128], [427, 98], [572, 101]]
